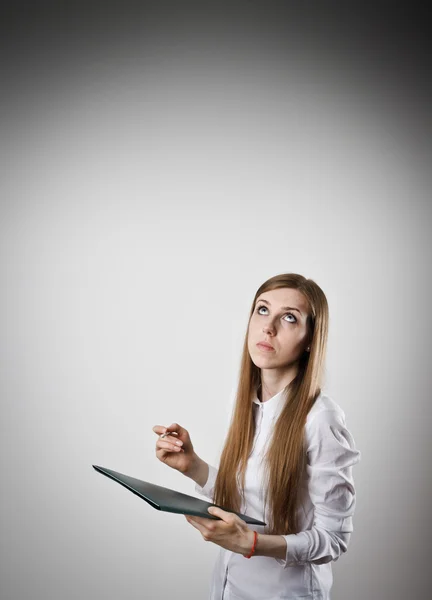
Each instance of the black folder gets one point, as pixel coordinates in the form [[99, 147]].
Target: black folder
[[163, 498]]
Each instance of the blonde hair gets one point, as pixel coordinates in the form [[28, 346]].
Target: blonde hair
[[286, 456]]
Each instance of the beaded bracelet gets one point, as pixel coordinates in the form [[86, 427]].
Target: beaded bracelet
[[254, 545]]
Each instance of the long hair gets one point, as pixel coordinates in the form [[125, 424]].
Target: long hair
[[285, 458]]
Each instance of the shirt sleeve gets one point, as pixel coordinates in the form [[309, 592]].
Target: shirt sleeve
[[207, 489], [331, 455]]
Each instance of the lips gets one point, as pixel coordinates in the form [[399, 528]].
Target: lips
[[265, 346]]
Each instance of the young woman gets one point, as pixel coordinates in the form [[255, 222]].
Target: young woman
[[287, 450]]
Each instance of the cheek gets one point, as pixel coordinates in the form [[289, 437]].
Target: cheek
[[290, 339], [252, 328], [253, 335]]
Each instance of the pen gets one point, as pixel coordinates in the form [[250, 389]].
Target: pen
[[167, 433]]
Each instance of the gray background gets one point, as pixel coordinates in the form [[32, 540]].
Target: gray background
[[159, 162]]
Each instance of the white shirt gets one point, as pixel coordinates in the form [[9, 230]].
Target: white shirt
[[325, 512]]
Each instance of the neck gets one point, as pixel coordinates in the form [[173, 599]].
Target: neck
[[272, 381]]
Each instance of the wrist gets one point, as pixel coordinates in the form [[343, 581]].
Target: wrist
[[190, 472], [251, 543], [198, 471], [274, 546]]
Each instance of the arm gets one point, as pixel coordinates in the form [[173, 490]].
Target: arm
[[204, 476], [274, 546], [331, 456]]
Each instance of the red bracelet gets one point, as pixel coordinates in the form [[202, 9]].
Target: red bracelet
[[254, 544]]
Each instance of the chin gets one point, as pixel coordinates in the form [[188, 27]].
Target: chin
[[260, 361]]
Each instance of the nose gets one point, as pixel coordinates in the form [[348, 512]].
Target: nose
[[268, 329]]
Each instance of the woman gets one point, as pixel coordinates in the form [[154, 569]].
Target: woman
[[287, 450]]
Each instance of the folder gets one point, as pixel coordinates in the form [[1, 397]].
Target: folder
[[163, 498]]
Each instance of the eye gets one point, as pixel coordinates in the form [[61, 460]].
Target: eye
[[286, 315]]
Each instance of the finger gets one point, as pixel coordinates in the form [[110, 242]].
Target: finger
[[215, 511], [159, 429], [203, 524], [163, 433], [226, 516], [176, 428], [191, 521], [196, 519], [197, 525], [172, 440], [168, 446]]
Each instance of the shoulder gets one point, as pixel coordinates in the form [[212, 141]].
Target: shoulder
[[325, 409], [328, 438]]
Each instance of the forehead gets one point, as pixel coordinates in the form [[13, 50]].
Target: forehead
[[285, 297]]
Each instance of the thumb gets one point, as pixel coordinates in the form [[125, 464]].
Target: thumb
[[175, 428], [216, 511], [224, 515]]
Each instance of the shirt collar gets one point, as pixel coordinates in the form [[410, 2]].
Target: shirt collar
[[273, 405]]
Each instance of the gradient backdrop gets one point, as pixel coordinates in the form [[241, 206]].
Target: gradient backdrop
[[159, 162]]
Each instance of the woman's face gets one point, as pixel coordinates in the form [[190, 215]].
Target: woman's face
[[279, 318]]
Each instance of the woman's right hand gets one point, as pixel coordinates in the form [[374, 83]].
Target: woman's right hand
[[180, 457]]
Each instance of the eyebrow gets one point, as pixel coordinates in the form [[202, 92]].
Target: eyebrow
[[282, 307]]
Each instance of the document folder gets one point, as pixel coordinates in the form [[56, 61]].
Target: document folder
[[163, 498]]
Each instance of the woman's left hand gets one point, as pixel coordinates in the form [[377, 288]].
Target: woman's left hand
[[230, 532]]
